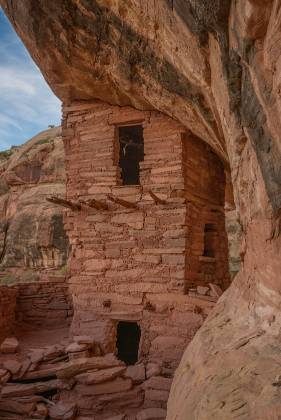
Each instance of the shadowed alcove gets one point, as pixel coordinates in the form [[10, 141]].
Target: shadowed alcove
[[127, 343]]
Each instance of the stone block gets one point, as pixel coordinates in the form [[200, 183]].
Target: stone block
[[97, 264], [103, 375], [158, 382], [63, 410], [173, 259], [156, 395], [152, 413], [202, 290], [216, 291], [153, 369], [136, 373], [9, 345], [115, 386], [12, 366]]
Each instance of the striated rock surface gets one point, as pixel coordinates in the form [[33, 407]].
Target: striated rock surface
[[32, 234], [214, 66]]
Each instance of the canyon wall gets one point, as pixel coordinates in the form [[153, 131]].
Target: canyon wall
[[32, 236], [215, 67]]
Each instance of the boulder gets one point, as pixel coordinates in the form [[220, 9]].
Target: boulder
[[9, 345]]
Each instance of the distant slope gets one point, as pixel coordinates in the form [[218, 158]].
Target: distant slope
[[31, 229]]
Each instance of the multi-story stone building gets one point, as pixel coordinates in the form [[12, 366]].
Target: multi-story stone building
[[147, 228]]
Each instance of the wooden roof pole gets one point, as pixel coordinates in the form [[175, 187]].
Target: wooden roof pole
[[122, 202], [155, 198]]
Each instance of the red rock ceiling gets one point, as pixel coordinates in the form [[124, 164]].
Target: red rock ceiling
[[214, 66]]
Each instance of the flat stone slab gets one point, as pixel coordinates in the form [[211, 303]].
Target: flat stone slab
[[9, 345]]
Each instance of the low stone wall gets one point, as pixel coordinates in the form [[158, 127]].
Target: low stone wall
[[44, 303], [8, 297]]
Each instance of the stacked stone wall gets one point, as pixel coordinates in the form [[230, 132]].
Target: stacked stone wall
[[7, 310], [44, 303], [130, 264], [205, 195]]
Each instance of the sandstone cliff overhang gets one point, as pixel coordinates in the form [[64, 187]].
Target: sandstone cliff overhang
[[214, 66]]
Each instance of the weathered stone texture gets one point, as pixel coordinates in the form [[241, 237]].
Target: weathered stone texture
[[32, 234], [7, 311], [44, 303], [139, 264], [215, 67]]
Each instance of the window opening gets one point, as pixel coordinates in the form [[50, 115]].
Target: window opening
[[131, 148], [128, 339], [210, 235]]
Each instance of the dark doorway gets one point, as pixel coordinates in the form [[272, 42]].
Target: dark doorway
[[131, 153], [210, 237], [128, 339]]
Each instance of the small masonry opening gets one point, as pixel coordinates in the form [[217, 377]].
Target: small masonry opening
[[128, 340], [131, 153], [210, 235]]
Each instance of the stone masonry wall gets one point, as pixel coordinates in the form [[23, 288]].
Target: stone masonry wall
[[130, 264], [205, 195], [7, 310], [44, 303], [122, 255]]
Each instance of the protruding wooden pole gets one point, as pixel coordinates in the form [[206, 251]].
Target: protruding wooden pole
[[96, 204], [156, 199], [122, 202], [64, 203]]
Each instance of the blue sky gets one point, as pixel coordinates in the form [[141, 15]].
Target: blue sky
[[27, 105]]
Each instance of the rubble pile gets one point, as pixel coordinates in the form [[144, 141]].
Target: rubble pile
[[76, 381]]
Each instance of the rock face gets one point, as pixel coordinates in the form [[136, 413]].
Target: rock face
[[215, 67], [32, 233]]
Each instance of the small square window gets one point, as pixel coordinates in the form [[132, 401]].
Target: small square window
[[131, 153]]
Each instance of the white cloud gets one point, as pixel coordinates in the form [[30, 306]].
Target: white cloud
[[27, 104], [13, 79], [5, 120]]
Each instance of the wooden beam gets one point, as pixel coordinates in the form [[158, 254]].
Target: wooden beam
[[155, 198], [64, 203], [96, 204], [122, 202]]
